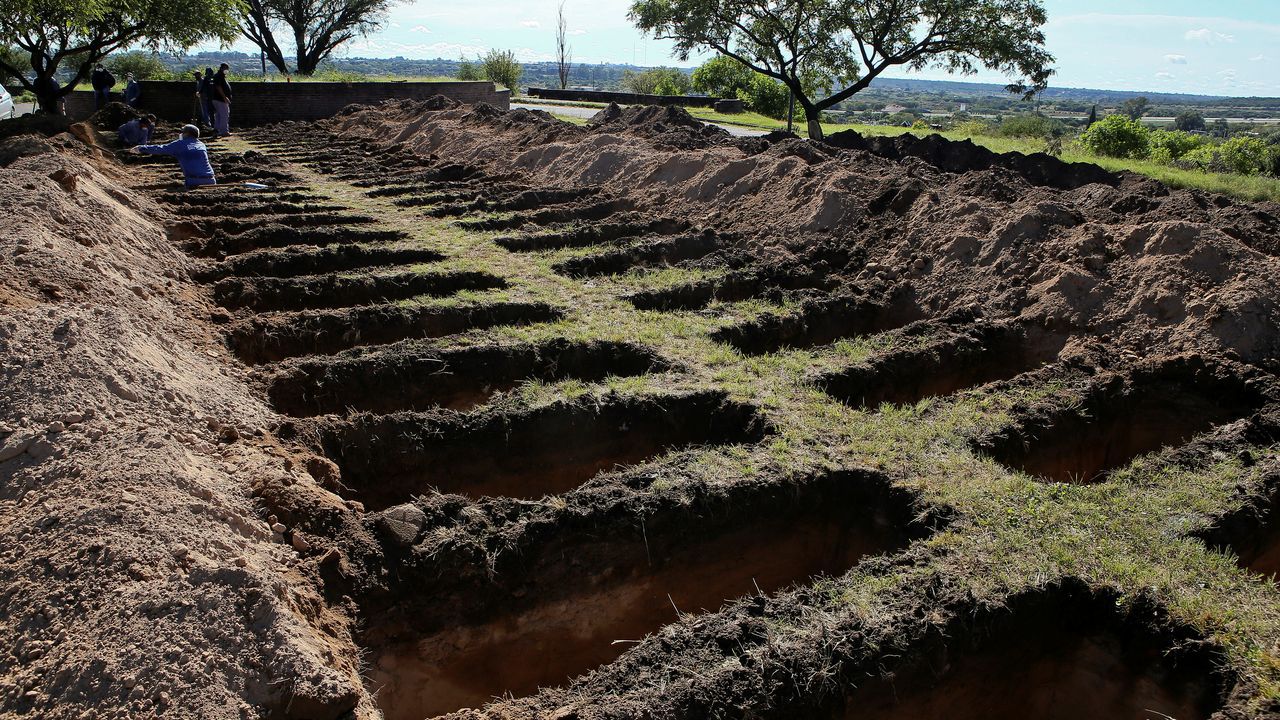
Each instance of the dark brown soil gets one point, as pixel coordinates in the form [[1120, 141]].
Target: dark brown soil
[[417, 377], [389, 458]]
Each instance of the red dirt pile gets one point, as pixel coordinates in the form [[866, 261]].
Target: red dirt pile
[[1147, 268], [138, 575]]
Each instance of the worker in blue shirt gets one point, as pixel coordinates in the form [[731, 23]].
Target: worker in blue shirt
[[132, 91], [192, 155], [137, 131]]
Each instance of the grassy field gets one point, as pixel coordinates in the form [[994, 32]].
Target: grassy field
[[1240, 186]]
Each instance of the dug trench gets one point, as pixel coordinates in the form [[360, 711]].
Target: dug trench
[[336, 291], [819, 323], [951, 360], [540, 621], [272, 337], [1119, 416], [1058, 653], [386, 459], [414, 376]]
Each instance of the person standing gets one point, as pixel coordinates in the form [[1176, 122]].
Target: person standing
[[221, 102], [206, 96], [192, 155], [102, 81], [132, 90], [198, 114]]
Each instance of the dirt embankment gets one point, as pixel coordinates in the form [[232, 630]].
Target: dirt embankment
[[138, 577], [1066, 248]]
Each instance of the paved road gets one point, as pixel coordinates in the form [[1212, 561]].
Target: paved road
[[587, 112]]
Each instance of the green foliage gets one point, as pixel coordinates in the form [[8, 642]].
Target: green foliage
[[828, 50], [973, 128], [1168, 146], [1031, 125], [328, 73], [82, 32], [501, 68], [468, 71], [1246, 156], [143, 65], [653, 82], [723, 76], [1117, 136], [315, 27], [1135, 108], [11, 57], [1189, 120], [766, 96], [919, 125]]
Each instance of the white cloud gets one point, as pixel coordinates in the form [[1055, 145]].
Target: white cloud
[[423, 29], [1208, 37], [1176, 59], [530, 24], [576, 32], [1259, 58], [1164, 75]]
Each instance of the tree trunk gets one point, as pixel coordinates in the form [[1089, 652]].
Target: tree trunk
[[815, 125]]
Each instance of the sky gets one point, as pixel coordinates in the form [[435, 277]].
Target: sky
[[1222, 47]]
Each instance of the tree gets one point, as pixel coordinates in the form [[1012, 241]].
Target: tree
[[502, 68], [1093, 117], [649, 81], [825, 51], [1221, 128], [143, 65], [467, 70], [1117, 136], [1135, 108], [1189, 121], [316, 27], [722, 76], [83, 32], [564, 53]]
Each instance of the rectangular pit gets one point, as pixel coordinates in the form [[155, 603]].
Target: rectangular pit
[[1056, 654], [289, 263], [550, 450], [962, 358], [547, 621], [275, 235], [619, 230], [1122, 417], [415, 377], [277, 336], [819, 323], [647, 252], [336, 291]]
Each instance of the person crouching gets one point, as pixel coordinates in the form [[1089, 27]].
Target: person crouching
[[192, 155], [137, 131]]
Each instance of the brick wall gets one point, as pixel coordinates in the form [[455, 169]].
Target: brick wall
[[258, 103], [623, 98]]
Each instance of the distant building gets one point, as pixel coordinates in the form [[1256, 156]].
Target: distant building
[[964, 107], [894, 108]]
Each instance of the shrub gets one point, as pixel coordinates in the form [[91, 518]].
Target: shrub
[[143, 65], [919, 125], [468, 71], [972, 128], [1117, 136], [1167, 146], [328, 73], [766, 96], [502, 68], [649, 81], [1030, 125], [722, 77], [1245, 156]]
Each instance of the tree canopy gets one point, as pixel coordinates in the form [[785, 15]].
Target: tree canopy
[[51, 33], [825, 51], [315, 27]]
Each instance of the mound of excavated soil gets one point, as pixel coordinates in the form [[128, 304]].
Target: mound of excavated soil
[[138, 577], [1067, 247]]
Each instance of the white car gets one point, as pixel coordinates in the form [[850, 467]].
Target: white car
[[7, 108]]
